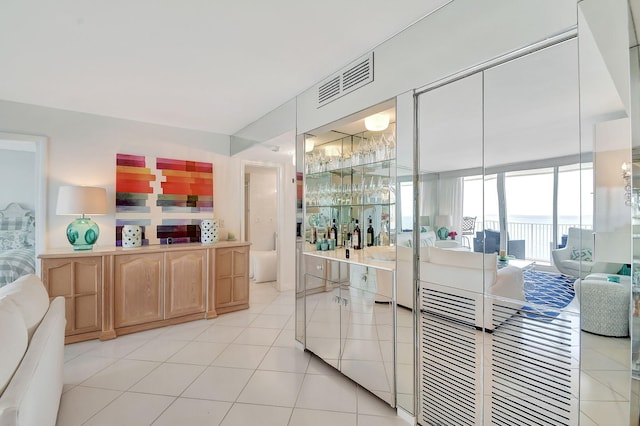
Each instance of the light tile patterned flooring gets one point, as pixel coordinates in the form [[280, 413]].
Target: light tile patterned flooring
[[605, 381], [241, 369]]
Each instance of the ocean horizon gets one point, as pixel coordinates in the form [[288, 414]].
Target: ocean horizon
[[538, 219]]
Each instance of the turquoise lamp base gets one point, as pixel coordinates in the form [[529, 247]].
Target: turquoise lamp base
[[82, 233], [443, 233]]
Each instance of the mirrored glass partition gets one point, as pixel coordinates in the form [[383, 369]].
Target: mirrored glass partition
[[522, 213], [499, 322], [604, 289], [635, 205], [350, 311]]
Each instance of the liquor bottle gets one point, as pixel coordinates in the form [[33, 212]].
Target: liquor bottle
[[350, 232], [339, 237], [314, 235], [355, 237], [345, 236], [333, 233], [383, 239], [370, 234]]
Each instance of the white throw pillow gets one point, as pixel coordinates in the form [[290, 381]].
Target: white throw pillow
[[14, 340], [31, 297]]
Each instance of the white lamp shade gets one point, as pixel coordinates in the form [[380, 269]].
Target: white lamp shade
[[376, 122], [443, 220], [81, 200]]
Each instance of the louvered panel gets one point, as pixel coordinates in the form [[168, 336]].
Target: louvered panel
[[450, 367], [329, 90], [354, 76], [451, 306], [532, 372]]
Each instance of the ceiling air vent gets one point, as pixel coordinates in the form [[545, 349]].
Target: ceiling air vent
[[329, 90], [352, 77]]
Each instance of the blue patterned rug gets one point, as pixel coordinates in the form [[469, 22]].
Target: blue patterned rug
[[548, 289]]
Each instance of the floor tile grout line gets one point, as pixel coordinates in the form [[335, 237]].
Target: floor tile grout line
[[273, 344]]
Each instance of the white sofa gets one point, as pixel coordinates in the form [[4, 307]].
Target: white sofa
[[568, 259], [32, 355], [465, 275], [429, 239]]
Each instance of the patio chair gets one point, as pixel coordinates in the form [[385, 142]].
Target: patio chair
[[468, 228]]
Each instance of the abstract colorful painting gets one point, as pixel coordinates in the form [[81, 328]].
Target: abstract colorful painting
[[166, 195]]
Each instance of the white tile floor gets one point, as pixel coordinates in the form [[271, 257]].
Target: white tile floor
[[605, 380], [241, 368]]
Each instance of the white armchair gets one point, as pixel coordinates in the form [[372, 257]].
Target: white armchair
[[568, 259]]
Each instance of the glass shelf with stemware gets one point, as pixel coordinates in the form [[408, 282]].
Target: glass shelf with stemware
[[347, 179]]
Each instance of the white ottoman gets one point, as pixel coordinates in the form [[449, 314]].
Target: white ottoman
[[604, 305], [263, 265]]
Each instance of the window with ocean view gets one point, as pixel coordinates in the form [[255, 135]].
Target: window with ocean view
[[529, 198]]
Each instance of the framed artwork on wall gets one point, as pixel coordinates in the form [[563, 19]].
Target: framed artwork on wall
[[168, 198]]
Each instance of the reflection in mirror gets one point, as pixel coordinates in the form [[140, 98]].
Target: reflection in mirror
[[531, 150], [503, 147], [450, 275], [350, 303], [604, 290], [635, 187]]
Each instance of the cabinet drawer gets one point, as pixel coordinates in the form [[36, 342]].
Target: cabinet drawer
[[315, 266]]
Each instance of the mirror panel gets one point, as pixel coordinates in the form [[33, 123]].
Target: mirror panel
[[497, 146], [605, 353], [451, 283], [405, 283], [531, 133]]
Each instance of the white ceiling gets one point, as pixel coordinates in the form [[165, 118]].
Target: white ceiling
[[200, 64]]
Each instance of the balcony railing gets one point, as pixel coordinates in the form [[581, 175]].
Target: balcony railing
[[537, 237]]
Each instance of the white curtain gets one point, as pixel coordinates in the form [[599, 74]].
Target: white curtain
[[450, 201], [428, 202]]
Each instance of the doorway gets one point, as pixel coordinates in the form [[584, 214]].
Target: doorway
[[261, 221], [23, 163]]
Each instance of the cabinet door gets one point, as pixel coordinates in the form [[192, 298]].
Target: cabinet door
[[79, 281], [367, 332], [185, 282], [232, 280], [323, 320], [138, 289]]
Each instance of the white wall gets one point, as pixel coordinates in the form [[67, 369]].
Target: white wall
[[83, 148], [17, 177], [273, 124], [263, 208], [287, 234], [612, 219], [460, 35]]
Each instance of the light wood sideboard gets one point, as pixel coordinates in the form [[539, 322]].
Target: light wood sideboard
[[115, 291]]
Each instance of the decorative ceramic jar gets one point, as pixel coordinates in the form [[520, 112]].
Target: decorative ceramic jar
[[131, 236], [209, 231]]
